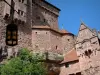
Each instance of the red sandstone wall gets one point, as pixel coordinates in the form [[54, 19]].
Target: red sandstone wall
[[73, 68], [87, 40]]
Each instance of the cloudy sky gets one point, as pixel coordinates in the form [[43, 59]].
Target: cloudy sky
[[73, 11]]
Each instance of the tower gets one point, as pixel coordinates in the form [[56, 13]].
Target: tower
[[44, 14], [21, 19]]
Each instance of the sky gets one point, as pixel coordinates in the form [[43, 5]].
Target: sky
[[73, 11]]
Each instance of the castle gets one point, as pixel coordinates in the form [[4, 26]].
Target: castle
[[83, 59], [38, 30]]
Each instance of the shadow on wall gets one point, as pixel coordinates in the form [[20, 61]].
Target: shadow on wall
[[37, 15]]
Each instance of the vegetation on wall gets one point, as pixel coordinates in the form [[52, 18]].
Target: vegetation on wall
[[25, 63]]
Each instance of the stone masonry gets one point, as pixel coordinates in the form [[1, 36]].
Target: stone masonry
[[88, 51], [38, 30]]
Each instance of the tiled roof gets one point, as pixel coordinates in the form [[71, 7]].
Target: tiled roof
[[64, 31], [70, 56]]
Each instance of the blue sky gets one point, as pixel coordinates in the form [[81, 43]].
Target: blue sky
[[73, 11]]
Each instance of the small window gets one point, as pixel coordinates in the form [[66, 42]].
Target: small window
[[44, 20], [66, 65], [89, 51], [86, 53], [68, 39], [22, 1], [36, 32], [56, 47], [32, 1], [23, 22], [22, 12], [16, 20], [6, 16], [19, 12], [19, 0], [72, 74], [79, 73], [19, 21], [38, 18]]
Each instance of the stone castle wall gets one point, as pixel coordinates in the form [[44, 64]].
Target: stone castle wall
[[68, 42], [34, 39], [72, 68], [24, 30], [43, 14]]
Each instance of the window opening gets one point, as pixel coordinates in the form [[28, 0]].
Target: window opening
[[56, 47]]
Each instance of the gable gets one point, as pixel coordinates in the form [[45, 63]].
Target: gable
[[84, 33], [82, 27]]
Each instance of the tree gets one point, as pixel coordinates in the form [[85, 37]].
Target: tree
[[25, 64]]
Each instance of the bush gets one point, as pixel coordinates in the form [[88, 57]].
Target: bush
[[25, 64]]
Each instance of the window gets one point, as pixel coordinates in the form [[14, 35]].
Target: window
[[36, 32], [38, 18], [72, 74], [23, 22], [56, 47], [89, 51], [86, 53], [32, 1], [19, 21], [66, 65], [68, 39], [44, 20], [6, 16], [16, 20], [20, 12], [79, 73], [19, 0], [22, 1]]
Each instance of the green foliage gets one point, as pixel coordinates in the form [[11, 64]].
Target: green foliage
[[25, 64]]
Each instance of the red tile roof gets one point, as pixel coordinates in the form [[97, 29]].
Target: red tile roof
[[64, 31], [70, 56]]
